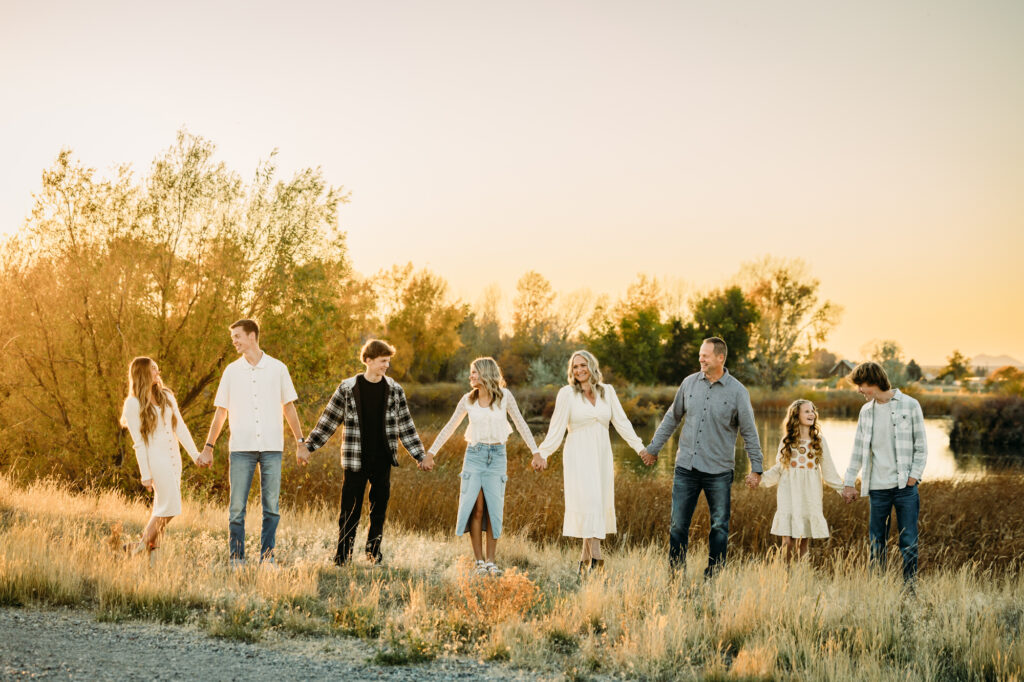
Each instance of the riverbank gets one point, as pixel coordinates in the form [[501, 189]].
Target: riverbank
[[759, 618]]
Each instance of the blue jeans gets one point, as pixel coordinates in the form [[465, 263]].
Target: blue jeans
[[242, 468], [686, 487], [907, 503]]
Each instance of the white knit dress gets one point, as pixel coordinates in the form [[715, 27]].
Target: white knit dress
[[159, 458], [798, 501]]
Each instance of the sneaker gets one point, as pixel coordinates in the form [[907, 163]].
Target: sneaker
[[375, 559], [481, 567], [493, 569]]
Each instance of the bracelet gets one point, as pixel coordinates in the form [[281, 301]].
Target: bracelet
[[210, 445]]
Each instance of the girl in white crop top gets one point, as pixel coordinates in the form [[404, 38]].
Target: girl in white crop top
[[484, 468]]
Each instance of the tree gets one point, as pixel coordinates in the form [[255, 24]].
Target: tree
[[729, 315], [956, 368], [914, 372], [889, 355], [681, 346], [1007, 380], [419, 321], [112, 267], [787, 301], [819, 363]]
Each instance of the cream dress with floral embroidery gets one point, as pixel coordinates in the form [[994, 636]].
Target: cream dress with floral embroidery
[[798, 513]]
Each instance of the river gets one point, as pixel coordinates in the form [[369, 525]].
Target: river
[[943, 463]]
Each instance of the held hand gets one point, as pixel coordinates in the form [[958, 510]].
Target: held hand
[[849, 494], [753, 480], [205, 457], [538, 463], [648, 458], [428, 462], [301, 453], [148, 483]]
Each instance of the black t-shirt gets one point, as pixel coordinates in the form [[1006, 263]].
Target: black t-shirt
[[371, 426]]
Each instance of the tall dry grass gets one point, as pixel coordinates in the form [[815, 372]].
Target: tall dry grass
[[760, 619]]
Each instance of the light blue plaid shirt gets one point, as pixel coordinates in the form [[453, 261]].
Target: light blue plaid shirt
[[908, 440]]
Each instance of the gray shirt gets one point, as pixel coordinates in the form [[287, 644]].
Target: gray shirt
[[884, 474], [714, 413]]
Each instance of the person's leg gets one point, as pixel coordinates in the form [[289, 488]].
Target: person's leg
[[476, 524], [878, 524], [241, 467], [352, 488], [270, 493], [595, 549], [718, 492], [787, 547], [908, 506], [685, 491], [803, 545], [380, 493], [492, 542], [585, 555]]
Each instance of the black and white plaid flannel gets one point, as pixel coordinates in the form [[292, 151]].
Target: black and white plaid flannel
[[341, 411]]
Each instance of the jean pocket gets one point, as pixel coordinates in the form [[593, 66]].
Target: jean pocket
[[464, 483]]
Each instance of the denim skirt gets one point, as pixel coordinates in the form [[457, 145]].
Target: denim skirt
[[484, 468]]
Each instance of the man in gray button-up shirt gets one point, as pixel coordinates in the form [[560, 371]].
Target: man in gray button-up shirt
[[716, 406]]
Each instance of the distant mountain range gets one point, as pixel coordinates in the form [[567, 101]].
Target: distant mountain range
[[995, 361]]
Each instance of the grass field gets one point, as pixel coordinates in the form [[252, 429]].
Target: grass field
[[760, 619]]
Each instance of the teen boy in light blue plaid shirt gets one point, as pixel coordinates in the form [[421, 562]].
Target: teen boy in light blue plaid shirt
[[890, 445]]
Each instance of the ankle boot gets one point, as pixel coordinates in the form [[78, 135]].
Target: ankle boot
[[596, 565]]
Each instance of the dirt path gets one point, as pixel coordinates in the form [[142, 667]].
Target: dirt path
[[69, 644]]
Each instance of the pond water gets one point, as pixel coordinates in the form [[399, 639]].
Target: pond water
[[943, 463]]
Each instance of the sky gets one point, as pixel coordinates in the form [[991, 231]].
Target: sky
[[587, 140]]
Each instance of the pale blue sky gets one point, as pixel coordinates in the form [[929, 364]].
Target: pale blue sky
[[587, 140]]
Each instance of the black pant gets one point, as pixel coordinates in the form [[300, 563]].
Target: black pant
[[352, 489]]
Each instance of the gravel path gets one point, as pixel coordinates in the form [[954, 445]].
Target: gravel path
[[69, 644]]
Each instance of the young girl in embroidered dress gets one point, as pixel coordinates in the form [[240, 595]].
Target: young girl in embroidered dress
[[484, 469], [802, 464]]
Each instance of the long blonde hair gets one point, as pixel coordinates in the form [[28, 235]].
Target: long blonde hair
[[490, 375], [595, 373], [791, 426], [153, 396]]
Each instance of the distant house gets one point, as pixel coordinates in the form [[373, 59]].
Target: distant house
[[842, 368]]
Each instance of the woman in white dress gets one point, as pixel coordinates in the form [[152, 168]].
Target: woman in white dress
[[584, 408], [152, 418], [802, 464], [484, 468]]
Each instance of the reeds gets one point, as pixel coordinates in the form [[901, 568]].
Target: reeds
[[759, 619]]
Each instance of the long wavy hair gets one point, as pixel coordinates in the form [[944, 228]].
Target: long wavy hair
[[153, 396], [490, 375], [595, 373], [791, 427]]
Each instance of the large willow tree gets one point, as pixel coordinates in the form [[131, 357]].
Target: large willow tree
[[108, 268]]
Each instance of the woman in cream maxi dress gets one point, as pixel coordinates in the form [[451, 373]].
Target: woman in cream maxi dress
[[587, 464]]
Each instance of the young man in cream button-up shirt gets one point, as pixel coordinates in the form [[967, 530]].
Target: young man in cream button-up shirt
[[252, 393]]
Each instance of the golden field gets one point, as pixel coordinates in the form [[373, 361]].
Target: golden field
[[830, 618]]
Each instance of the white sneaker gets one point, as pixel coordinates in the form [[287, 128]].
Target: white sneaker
[[493, 569], [481, 567]]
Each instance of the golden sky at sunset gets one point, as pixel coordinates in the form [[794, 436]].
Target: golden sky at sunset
[[587, 140]]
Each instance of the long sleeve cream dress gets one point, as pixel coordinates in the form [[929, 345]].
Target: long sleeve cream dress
[[159, 458], [798, 512], [587, 458]]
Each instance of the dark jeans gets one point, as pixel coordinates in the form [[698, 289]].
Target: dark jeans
[[686, 487], [907, 504], [352, 489]]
